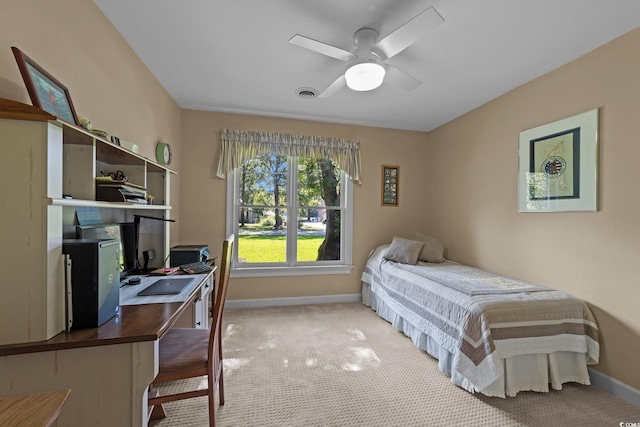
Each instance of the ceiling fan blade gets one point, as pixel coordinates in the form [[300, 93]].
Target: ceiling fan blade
[[398, 77], [409, 33], [320, 47], [334, 87]]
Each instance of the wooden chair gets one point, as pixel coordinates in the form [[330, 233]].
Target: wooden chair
[[189, 352]]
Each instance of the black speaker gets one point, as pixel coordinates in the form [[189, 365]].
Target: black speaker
[[95, 280]]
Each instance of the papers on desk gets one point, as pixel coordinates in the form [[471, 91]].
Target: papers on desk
[[129, 293]]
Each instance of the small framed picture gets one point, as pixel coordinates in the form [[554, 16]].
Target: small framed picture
[[45, 91], [390, 185]]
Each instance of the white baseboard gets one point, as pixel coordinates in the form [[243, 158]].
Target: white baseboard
[[615, 387], [271, 302]]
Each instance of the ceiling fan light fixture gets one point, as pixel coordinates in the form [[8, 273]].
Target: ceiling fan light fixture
[[364, 76]]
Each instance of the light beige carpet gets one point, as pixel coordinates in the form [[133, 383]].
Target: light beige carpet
[[342, 365]]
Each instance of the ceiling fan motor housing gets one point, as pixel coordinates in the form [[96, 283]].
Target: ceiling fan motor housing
[[366, 71], [365, 38]]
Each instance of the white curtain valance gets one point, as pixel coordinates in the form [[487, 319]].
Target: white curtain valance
[[238, 146]]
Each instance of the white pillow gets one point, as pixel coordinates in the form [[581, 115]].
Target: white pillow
[[404, 251], [433, 249]]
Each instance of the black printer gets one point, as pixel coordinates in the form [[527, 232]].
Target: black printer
[[185, 254]]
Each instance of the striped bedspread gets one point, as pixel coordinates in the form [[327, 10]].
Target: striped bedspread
[[480, 330]]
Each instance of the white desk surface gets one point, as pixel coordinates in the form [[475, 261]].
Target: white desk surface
[[129, 293]]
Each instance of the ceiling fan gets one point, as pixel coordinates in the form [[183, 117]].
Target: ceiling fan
[[366, 66]]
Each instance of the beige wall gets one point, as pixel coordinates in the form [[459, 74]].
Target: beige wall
[[203, 195], [472, 195], [108, 83]]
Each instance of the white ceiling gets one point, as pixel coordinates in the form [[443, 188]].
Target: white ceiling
[[234, 55]]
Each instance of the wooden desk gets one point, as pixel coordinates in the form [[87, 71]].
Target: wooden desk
[[108, 368], [33, 410]]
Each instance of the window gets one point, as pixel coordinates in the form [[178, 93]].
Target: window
[[291, 216], [289, 179]]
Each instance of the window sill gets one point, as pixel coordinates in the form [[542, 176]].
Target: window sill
[[291, 271]]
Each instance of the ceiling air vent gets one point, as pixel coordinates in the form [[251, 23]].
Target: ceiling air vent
[[306, 92]]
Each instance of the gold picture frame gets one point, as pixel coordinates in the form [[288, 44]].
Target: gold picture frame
[[558, 168], [390, 185]]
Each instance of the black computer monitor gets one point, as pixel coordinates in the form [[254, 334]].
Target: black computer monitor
[[129, 234], [125, 232], [136, 233]]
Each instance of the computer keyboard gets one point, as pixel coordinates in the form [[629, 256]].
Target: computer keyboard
[[196, 267]]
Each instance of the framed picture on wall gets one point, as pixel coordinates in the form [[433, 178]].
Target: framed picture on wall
[[390, 185], [45, 91], [558, 168]]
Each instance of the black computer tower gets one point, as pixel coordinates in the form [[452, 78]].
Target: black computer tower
[[95, 280]]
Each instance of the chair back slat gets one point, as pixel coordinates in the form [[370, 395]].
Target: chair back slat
[[221, 296]]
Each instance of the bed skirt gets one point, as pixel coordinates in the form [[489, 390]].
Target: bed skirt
[[531, 372]]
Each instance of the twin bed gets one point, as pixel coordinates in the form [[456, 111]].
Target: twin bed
[[492, 334]]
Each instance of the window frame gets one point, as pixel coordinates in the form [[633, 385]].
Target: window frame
[[292, 267]]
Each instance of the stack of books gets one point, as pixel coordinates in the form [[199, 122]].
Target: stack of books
[[111, 190]]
